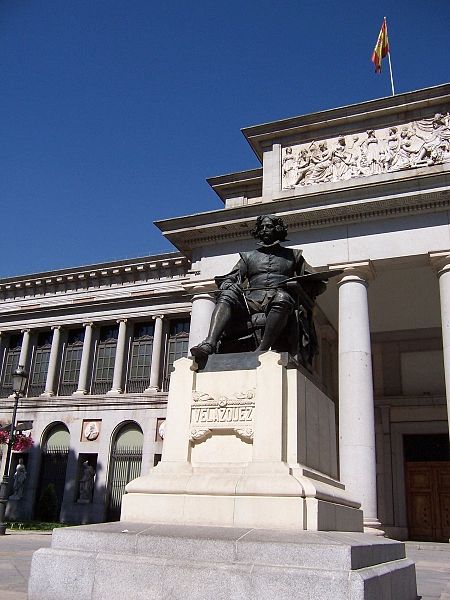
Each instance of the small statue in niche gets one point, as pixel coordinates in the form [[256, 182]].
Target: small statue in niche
[[20, 477], [266, 301], [86, 484]]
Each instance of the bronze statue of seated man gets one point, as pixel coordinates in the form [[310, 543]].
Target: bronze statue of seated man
[[259, 284]]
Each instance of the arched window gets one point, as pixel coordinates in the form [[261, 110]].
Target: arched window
[[124, 465], [56, 437]]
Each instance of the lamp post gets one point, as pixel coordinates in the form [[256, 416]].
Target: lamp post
[[19, 382]]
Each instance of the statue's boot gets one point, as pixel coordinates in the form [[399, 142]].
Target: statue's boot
[[276, 321], [202, 350], [219, 320]]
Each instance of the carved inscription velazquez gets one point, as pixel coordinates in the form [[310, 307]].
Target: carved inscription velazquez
[[235, 413]]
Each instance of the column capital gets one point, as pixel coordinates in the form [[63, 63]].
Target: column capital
[[440, 261], [53, 327], [154, 317], [25, 330], [88, 324], [121, 321], [362, 272]]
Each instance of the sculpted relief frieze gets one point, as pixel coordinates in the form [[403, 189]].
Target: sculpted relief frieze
[[234, 413], [373, 152]]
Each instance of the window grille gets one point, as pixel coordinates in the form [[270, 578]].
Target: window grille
[[10, 365], [105, 359], [140, 358], [177, 347], [71, 362], [39, 368]]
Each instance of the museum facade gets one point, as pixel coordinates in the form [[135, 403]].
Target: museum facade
[[364, 188]]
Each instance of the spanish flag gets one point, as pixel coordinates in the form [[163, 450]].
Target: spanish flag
[[381, 47]]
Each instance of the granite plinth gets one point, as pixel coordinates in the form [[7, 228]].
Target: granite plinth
[[141, 561]]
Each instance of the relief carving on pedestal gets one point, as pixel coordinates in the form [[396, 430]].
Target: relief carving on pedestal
[[415, 144], [234, 413]]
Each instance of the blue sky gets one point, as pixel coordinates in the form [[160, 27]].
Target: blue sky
[[113, 112]]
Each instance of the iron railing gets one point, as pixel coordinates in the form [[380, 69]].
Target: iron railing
[[101, 387], [67, 389], [137, 386], [53, 470], [125, 465]]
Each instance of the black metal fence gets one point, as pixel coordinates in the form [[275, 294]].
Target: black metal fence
[[137, 386], [53, 471], [125, 465]]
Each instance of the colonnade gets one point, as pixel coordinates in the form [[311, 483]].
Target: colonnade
[[117, 387]]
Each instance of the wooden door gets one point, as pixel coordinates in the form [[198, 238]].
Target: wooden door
[[428, 500]]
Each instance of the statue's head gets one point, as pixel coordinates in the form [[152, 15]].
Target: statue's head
[[269, 229]]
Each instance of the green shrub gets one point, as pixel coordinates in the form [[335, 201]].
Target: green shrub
[[47, 507]]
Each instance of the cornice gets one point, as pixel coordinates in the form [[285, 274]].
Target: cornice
[[234, 183], [96, 284], [187, 233], [97, 271], [400, 104], [57, 403]]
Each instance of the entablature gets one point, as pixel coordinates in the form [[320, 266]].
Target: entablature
[[105, 280]]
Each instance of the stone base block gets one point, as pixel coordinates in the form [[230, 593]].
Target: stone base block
[[127, 560], [275, 512]]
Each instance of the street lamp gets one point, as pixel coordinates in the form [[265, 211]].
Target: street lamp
[[19, 383]]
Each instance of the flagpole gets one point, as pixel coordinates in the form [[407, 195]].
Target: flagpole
[[390, 64]]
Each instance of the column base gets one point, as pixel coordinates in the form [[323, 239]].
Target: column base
[[152, 389], [80, 393], [114, 392], [47, 394], [373, 527]]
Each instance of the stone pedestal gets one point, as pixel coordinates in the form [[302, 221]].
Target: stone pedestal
[[250, 441], [145, 562], [244, 505]]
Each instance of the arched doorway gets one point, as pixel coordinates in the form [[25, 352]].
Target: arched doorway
[[54, 454], [124, 465]]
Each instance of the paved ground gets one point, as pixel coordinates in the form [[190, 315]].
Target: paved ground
[[432, 568], [16, 549]]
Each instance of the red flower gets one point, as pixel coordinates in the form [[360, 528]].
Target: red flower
[[22, 442]]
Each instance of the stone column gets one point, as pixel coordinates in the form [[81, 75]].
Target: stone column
[[85, 358], [356, 406], [202, 308], [117, 386], [52, 363], [440, 261], [24, 349], [155, 369]]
